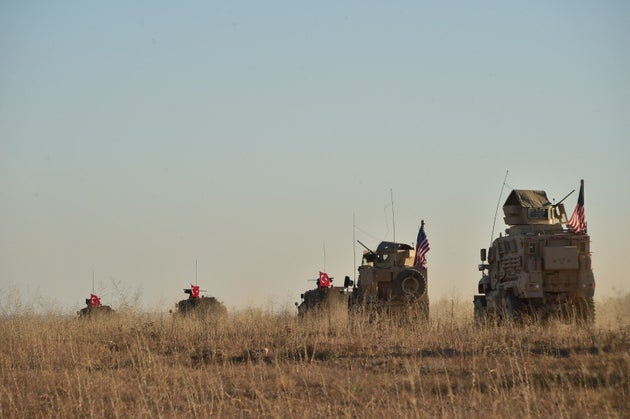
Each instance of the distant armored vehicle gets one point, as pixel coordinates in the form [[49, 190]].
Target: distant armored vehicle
[[200, 304], [94, 307], [325, 297], [538, 267], [393, 280]]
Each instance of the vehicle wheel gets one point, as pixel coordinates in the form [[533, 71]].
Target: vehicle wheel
[[410, 284], [425, 311], [480, 310], [512, 308], [585, 310]]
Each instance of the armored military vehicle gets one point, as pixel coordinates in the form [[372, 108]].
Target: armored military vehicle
[[539, 267], [325, 298], [392, 281], [200, 304], [94, 307]]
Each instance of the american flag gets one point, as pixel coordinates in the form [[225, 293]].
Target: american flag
[[577, 223], [422, 247]]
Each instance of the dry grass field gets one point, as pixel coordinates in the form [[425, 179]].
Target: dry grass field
[[259, 364]]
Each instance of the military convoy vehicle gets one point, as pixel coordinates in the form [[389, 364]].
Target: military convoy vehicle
[[200, 304], [94, 307], [325, 298], [539, 267], [390, 282]]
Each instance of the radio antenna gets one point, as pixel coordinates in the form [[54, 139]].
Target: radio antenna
[[324, 250], [354, 250], [391, 194], [498, 203]]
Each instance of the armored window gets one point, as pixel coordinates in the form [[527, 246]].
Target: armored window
[[532, 213], [544, 213], [531, 247]]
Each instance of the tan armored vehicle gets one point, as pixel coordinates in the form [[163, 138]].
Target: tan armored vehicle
[[200, 304], [325, 298], [539, 267], [389, 282], [94, 307]]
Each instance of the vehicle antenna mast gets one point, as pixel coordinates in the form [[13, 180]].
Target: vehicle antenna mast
[[354, 250], [391, 194], [498, 203], [324, 250]]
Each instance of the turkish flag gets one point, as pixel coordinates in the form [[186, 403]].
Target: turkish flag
[[194, 291], [324, 280], [94, 300]]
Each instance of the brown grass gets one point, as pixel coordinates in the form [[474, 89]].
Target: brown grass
[[259, 364]]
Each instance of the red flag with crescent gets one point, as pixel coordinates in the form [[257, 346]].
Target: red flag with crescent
[[94, 300], [194, 291], [324, 280]]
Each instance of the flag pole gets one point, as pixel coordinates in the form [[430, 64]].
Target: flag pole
[[583, 215]]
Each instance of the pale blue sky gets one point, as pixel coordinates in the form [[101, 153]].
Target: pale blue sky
[[138, 138]]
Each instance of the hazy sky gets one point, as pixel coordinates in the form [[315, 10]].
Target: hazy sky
[[137, 138]]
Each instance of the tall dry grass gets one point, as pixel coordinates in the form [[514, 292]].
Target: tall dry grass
[[255, 363]]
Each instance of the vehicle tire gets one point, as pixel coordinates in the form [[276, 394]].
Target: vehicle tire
[[425, 311], [410, 284], [479, 310], [512, 308], [585, 311]]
